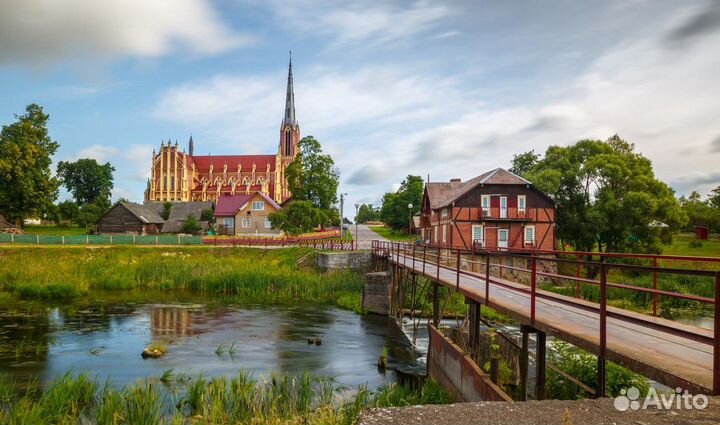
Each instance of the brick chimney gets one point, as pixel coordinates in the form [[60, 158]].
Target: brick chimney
[[455, 180]]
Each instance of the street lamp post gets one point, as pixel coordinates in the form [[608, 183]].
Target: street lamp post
[[410, 207], [357, 208], [342, 225]]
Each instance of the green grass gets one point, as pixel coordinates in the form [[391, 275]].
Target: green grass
[[52, 230], [681, 246], [276, 399], [252, 275], [393, 235]]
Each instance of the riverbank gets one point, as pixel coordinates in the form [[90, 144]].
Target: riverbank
[[177, 399], [267, 276]]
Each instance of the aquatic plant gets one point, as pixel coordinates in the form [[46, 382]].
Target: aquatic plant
[[236, 400], [167, 376]]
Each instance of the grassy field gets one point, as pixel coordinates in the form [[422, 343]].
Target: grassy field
[[271, 276], [393, 235], [682, 246], [51, 230], [277, 399]]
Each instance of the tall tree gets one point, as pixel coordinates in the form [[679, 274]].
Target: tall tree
[[27, 187], [312, 180], [366, 213], [608, 196], [524, 162], [395, 212], [312, 176], [86, 179]]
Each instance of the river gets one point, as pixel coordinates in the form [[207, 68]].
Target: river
[[105, 334]]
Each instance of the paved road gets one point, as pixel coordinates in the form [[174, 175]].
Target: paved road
[[365, 236]]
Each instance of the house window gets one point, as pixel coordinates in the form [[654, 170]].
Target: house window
[[435, 238], [268, 224], [228, 222], [530, 235], [246, 223], [521, 203], [485, 201], [445, 234], [258, 205], [478, 234], [444, 213]]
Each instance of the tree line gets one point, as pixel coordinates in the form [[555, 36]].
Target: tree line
[[28, 188]]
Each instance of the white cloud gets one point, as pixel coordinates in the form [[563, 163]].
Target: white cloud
[[38, 32], [355, 22]]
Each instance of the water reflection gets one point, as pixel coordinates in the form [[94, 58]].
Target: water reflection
[[105, 336]]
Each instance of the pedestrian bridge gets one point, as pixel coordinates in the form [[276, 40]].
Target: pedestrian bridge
[[669, 352]]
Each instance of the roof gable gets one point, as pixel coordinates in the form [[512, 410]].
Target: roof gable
[[228, 205], [144, 213], [443, 194]]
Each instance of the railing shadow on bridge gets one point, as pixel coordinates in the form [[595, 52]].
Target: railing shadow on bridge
[[461, 262]]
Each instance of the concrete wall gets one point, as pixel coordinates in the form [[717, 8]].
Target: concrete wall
[[376, 294], [457, 373], [353, 260]]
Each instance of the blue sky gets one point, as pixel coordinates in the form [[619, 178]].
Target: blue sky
[[449, 89]]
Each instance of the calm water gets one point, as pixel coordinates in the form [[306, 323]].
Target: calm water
[[105, 336]]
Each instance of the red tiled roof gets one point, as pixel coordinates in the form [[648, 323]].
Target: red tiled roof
[[202, 163], [228, 205]]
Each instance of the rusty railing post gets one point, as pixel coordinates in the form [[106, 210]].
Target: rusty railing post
[[716, 339], [655, 284], [457, 275], [600, 393], [578, 293], [487, 279], [413, 255], [533, 286], [437, 265], [424, 257]]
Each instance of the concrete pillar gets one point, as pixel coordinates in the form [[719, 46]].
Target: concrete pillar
[[540, 365]]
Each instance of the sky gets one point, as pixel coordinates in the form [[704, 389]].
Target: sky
[[390, 88]]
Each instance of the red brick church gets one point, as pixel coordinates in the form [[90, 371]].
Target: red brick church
[[177, 175]]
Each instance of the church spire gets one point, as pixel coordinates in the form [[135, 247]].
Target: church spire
[[191, 146], [289, 118]]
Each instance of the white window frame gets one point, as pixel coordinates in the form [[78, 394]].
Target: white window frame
[[485, 204], [256, 203], [444, 233], [525, 235], [524, 203], [246, 223], [230, 220], [268, 224], [503, 209], [444, 213], [482, 234], [435, 234]]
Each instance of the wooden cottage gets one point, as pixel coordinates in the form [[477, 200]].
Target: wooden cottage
[[130, 218], [496, 210]]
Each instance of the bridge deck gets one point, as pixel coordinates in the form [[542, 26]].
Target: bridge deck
[[636, 341]]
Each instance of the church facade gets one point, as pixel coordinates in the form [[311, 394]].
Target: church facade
[[177, 175]]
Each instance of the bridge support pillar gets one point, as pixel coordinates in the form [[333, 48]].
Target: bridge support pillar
[[473, 325], [540, 364], [524, 361]]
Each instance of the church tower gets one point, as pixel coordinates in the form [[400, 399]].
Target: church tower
[[289, 129]]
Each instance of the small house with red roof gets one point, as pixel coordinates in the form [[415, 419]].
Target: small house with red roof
[[496, 210], [246, 214]]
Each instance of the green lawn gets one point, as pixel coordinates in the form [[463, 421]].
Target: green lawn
[[51, 230], [393, 235], [681, 246]]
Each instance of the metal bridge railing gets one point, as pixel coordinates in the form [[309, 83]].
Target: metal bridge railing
[[451, 260]]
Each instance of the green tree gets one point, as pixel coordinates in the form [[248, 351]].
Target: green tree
[[167, 206], [366, 213], [312, 176], [607, 195], [90, 213], [68, 211], [312, 180], [27, 187], [524, 162], [298, 217], [191, 225], [395, 212], [714, 197], [699, 212], [86, 179]]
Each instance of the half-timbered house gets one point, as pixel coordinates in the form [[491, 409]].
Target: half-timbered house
[[496, 210]]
